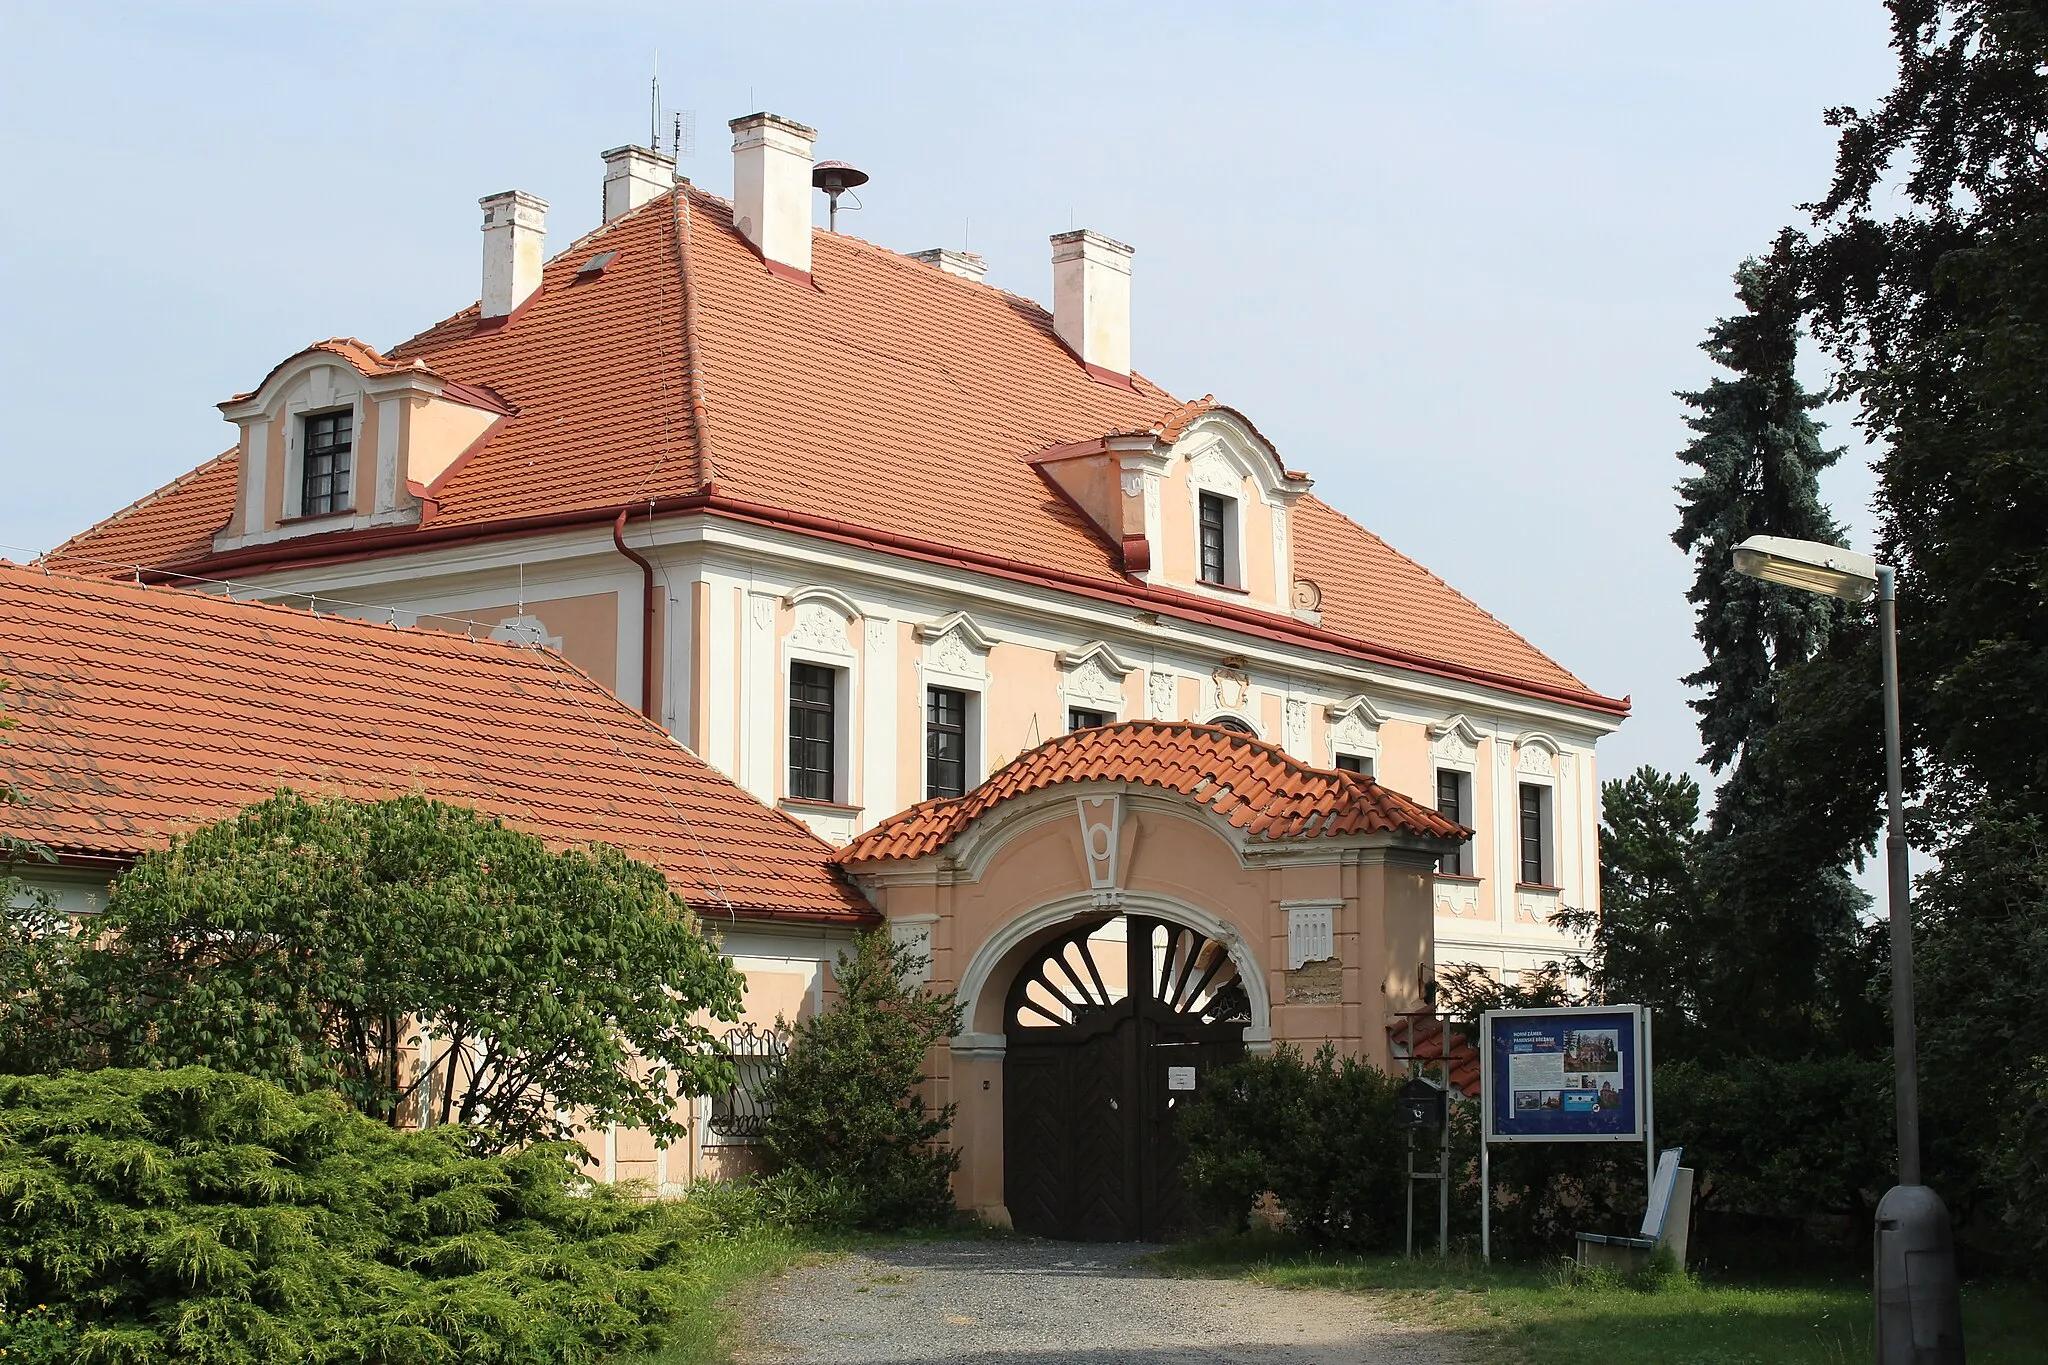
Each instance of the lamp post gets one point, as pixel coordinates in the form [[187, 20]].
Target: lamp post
[[1919, 1302]]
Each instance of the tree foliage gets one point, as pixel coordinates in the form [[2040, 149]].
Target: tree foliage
[[425, 962], [847, 1106], [197, 1216]]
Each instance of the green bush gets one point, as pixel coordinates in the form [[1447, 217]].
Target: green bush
[[848, 1125], [201, 1216], [1319, 1135]]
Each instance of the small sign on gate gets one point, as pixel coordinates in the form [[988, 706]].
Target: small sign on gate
[[1180, 1078]]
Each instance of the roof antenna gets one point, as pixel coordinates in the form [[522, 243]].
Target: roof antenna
[[654, 105], [836, 178]]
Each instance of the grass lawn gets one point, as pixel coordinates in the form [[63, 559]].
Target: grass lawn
[[718, 1274], [1532, 1315]]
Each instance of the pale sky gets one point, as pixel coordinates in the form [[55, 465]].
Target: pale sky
[[1451, 258]]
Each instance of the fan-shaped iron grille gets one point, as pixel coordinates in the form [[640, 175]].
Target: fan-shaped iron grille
[[1080, 975]]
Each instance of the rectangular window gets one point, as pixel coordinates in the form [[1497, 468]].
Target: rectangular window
[[1079, 719], [1533, 836], [945, 742], [1215, 520], [1355, 763], [329, 456], [1451, 803], [813, 719]]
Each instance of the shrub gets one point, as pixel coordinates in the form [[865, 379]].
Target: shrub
[[314, 943], [199, 1216], [846, 1109], [1319, 1135]]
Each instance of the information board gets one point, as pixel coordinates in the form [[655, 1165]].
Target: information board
[[1566, 1075]]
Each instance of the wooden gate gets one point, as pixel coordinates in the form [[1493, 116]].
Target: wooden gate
[[1108, 1029]]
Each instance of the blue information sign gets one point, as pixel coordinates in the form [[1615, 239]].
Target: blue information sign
[[1565, 1075]]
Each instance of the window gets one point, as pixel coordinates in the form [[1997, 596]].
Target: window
[[813, 718], [1452, 800], [945, 742], [1242, 727], [1354, 763], [1215, 537], [1080, 719], [329, 455], [1535, 830]]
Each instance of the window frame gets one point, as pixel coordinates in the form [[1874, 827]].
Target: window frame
[[1460, 861], [796, 788], [341, 466], [964, 729], [1101, 718], [1349, 762], [1225, 528], [1535, 805]]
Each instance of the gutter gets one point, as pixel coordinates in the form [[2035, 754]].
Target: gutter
[[648, 605], [1166, 601]]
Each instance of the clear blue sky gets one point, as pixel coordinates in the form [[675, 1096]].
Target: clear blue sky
[[1452, 258]]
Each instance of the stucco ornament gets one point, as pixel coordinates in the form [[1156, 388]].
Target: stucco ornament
[[1132, 482], [1354, 727], [819, 627], [878, 634], [950, 653], [1094, 673], [1101, 837], [1297, 726], [1209, 468], [1091, 682], [1455, 741], [1231, 688], [1534, 759], [1165, 689], [764, 611]]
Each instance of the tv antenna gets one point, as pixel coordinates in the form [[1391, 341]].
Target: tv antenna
[[680, 124]]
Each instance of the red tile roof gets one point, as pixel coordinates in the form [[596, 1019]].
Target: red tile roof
[[891, 397], [1256, 786], [146, 711], [1422, 1038]]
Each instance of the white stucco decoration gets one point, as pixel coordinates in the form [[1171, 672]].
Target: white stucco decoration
[[1210, 469], [1094, 673], [1311, 931], [1229, 689], [1537, 754], [1455, 741], [1102, 819], [819, 627], [1354, 727], [956, 647], [1164, 691], [1297, 727]]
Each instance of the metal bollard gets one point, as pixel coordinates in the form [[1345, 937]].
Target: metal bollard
[[1919, 1302]]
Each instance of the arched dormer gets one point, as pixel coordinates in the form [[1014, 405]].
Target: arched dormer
[[339, 438]]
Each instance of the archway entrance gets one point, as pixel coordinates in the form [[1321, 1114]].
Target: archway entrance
[[1109, 1029]]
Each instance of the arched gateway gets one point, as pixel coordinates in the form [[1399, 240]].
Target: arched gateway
[[1123, 910], [1107, 1031]]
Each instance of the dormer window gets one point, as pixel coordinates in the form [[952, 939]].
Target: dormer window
[[1216, 513], [329, 460]]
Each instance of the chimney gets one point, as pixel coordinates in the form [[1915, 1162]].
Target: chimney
[[1091, 299], [634, 175], [515, 230], [965, 264], [771, 187]]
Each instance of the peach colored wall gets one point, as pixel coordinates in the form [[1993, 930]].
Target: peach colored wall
[[1382, 938], [434, 432], [588, 626], [1022, 704], [1177, 559]]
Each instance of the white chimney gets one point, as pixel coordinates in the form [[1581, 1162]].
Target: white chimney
[[965, 264], [515, 231], [771, 187], [634, 175], [1091, 298]]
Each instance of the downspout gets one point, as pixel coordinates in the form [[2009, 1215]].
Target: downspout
[[648, 605]]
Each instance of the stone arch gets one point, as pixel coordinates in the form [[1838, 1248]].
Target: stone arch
[[985, 983]]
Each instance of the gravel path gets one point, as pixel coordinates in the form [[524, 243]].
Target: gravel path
[[1029, 1302]]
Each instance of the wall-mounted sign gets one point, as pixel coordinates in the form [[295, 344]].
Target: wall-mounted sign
[[1566, 1075], [1180, 1078]]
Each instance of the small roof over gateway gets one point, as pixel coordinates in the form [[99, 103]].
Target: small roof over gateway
[[1257, 787], [144, 712]]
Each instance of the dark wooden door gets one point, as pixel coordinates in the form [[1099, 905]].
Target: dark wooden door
[[1099, 1028]]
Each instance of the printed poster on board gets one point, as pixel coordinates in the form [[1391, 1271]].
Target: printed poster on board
[[1564, 1075]]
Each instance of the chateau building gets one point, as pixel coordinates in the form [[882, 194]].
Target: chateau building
[[886, 546]]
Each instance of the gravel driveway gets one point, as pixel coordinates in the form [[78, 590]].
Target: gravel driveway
[[1029, 1302]]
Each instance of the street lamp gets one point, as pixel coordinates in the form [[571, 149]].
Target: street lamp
[[1919, 1301]]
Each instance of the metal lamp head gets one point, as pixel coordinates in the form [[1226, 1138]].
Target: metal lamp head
[[1808, 565]]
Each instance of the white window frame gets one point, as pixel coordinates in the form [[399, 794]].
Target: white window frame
[[1467, 852], [973, 763], [1547, 817]]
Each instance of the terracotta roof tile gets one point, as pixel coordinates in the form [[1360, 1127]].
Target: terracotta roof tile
[[1422, 1038], [146, 711], [1256, 786], [893, 397]]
